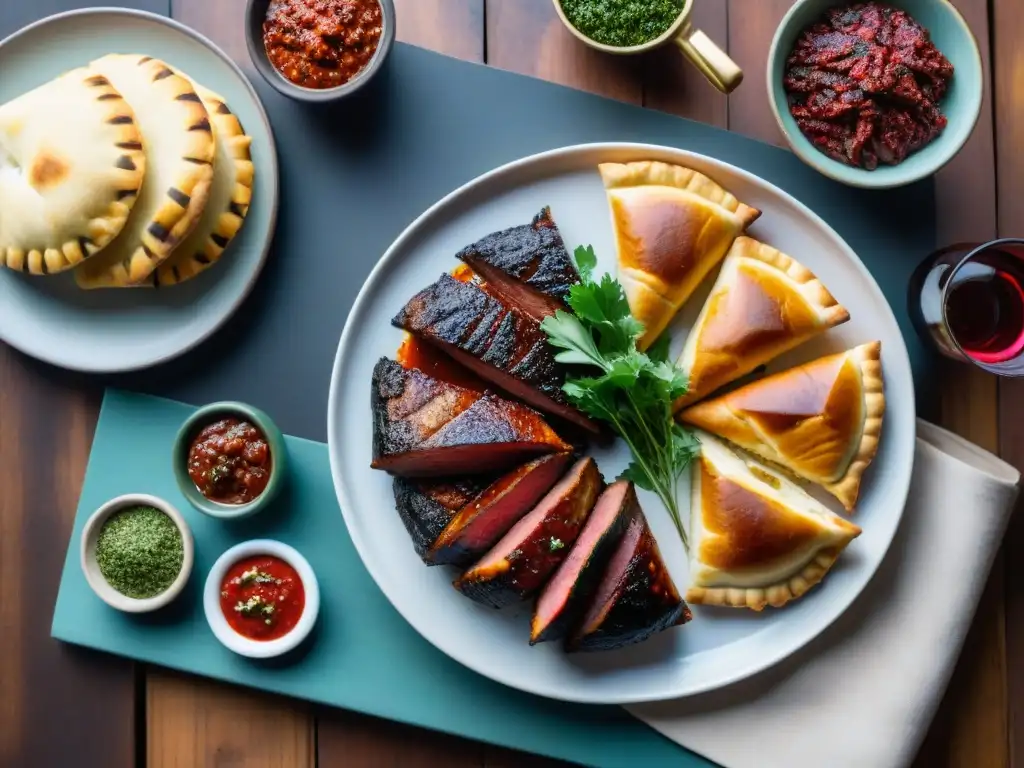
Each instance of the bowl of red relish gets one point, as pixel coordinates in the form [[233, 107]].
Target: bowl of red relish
[[261, 598], [875, 94], [229, 460], [319, 50]]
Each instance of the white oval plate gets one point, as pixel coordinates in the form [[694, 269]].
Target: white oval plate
[[719, 646], [108, 331]]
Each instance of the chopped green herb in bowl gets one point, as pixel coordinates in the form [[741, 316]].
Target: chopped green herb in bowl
[[622, 23], [136, 552]]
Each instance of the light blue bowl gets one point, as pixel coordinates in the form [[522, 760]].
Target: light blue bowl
[[961, 105]]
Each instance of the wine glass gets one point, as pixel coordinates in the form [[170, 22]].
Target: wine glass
[[968, 301]]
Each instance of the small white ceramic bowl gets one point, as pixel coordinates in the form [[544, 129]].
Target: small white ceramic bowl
[[91, 568], [261, 649]]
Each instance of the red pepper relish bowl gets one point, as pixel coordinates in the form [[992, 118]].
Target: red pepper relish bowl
[[229, 460], [961, 103], [261, 598]]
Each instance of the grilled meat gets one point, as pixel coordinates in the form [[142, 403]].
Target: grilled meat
[[635, 597], [427, 506], [527, 265], [494, 340], [486, 518], [519, 564], [426, 427], [564, 597]]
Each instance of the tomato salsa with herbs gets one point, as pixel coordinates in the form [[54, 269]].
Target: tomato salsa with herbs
[[262, 597], [229, 461], [321, 43], [864, 85]]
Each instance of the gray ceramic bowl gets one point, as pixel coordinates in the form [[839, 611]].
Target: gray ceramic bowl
[[255, 13], [207, 415], [961, 105]]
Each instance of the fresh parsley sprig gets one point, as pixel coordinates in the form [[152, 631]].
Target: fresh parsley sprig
[[634, 391]]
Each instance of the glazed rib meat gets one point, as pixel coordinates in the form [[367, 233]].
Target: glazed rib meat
[[427, 506], [493, 339], [425, 427], [527, 265], [486, 518], [519, 564]]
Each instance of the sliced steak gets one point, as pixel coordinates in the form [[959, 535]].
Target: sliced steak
[[519, 564], [425, 427], [493, 339], [427, 506], [564, 597], [486, 518], [528, 265], [635, 597]]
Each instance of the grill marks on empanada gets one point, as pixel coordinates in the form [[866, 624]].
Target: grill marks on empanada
[[228, 202], [180, 147], [71, 166]]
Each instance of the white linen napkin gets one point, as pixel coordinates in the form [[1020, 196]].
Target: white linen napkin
[[864, 692]]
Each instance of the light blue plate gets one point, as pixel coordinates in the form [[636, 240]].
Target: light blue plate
[[961, 105], [120, 330]]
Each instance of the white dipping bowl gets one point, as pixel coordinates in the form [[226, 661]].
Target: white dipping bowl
[[261, 649], [91, 568]]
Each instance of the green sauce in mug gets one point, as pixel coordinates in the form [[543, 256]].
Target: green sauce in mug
[[622, 23]]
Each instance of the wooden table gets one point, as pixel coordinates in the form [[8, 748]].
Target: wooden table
[[61, 706]]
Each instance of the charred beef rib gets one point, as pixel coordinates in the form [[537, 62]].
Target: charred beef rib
[[528, 265], [425, 427], [486, 518], [635, 597], [563, 599], [520, 563], [428, 506], [494, 340]]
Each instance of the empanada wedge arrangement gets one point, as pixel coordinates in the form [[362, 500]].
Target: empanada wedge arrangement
[[821, 421], [756, 538], [672, 226], [124, 170], [763, 303]]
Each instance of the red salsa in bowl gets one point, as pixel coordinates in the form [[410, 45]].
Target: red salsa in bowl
[[229, 461], [262, 597], [322, 44]]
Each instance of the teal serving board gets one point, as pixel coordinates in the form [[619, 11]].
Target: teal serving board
[[362, 654]]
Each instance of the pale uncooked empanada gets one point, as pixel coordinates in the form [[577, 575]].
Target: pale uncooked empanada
[[180, 151], [756, 537], [228, 202], [672, 226], [763, 303], [821, 420], [71, 165]]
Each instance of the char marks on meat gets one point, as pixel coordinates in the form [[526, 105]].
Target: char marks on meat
[[495, 340], [527, 265], [521, 562], [635, 598], [486, 518], [428, 506], [425, 427], [562, 601]]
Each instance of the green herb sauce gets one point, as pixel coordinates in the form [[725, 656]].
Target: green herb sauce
[[622, 23], [139, 551]]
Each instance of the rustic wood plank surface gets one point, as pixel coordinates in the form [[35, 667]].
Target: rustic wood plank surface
[[194, 722]]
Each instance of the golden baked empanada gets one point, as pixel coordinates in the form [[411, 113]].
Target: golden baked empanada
[[672, 226], [763, 303], [71, 165], [821, 420], [756, 537], [180, 152]]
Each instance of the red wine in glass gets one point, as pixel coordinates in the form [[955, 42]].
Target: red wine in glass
[[968, 300]]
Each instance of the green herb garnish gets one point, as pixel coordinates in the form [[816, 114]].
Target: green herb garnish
[[556, 544], [622, 22], [139, 552], [634, 391]]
